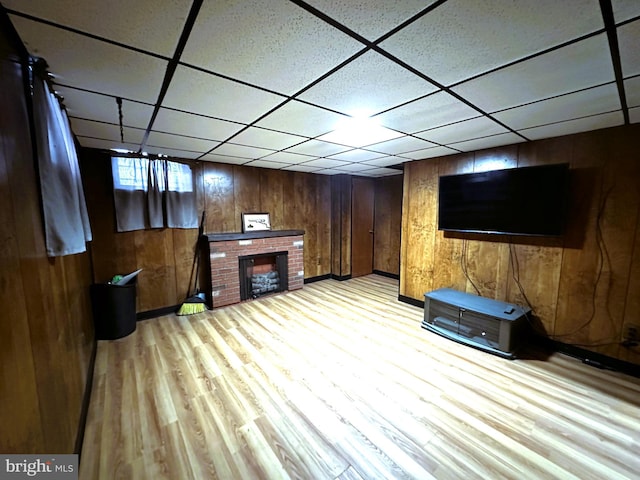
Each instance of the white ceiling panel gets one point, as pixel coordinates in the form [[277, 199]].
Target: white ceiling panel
[[580, 65], [380, 172], [288, 158], [230, 159], [272, 44], [317, 148], [488, 142], [80, 61], [89, 128], [157, 139], [242, 151], [116, 19], [467, 130], [462, 38], [356, 155], [267, 138], [92, 106], [198, 92], [625, 9], [401, 145], [367, 85], [594, 122], [576, 105], [370, 18], [280, 84], [429, 153], [632, 90], [183, 123], [384, 161], [433, 111], [628, 40], [301, 119]]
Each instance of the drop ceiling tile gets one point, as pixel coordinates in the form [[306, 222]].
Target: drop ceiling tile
[[147, 26], [466, 130], [356, 155], [171, 152], [628, 40], [103, 144], [594, 122], [244, 151], [488, 142], [302, 168], [625, 9], [577, 66], [580, 104], [369, 84], [193, 125], [385, 161], [632, 91], [266, 164], [180, 142], [288, 158], [301, 119], [107, 131], [357, 133], [317, 148], [430, 112], [370, 18], [353, 167], [460, 38], [267, 138], [83, 62], [634, 115], [215, 157], [325, 163], [330, 171], [400, 145], [199, 92], [272, 44], [429, 153], [381, 172], [92, 106]]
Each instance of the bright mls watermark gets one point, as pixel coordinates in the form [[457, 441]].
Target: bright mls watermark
[[51, 467]]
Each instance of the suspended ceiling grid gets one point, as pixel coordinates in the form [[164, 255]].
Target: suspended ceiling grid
[[330, 86]]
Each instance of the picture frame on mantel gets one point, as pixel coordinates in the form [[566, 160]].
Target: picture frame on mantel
[[253, 222]]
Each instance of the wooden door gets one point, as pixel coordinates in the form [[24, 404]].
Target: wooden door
[[362, 198]]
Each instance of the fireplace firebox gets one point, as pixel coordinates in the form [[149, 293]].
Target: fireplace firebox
[[263, 274]]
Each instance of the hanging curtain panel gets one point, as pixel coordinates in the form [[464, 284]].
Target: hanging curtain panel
[[66, 221], [153, 194]]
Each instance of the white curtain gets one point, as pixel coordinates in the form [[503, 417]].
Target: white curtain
[[153, 194], [66, 221]]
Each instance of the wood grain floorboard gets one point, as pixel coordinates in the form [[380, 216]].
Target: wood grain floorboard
[[339, 381]]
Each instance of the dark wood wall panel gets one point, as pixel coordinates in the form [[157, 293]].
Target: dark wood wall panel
[[46, 333], [294, 200], [387, 223], [583, 287]]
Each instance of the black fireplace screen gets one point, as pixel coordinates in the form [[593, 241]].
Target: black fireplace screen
[[262, 274]]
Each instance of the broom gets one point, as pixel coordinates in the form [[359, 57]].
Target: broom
[[196, 302]]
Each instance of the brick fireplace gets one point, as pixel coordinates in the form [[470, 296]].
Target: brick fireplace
[[224, 251]]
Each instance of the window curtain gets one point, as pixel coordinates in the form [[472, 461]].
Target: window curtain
[[66, 221], [153, 194]]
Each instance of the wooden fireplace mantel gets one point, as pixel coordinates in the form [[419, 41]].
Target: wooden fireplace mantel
[[223, 237]]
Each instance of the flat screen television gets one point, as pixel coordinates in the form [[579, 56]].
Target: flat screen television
[[516, 201]]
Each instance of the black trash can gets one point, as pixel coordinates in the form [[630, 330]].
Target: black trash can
[[114, 309]]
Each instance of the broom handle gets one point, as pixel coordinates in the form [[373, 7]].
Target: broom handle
[[196, 257]]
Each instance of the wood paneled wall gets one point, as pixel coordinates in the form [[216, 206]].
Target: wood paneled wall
[[583, 288], [294, 200], [46, 326], [387, 224]]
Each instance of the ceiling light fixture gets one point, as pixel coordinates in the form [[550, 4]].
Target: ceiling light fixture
[[358, 131]]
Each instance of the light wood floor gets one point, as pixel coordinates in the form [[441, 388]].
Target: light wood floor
[[338, 380]]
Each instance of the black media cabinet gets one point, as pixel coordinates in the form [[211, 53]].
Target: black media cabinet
[[490, 325]]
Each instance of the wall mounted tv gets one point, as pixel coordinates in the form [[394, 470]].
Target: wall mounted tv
[[516, 201]]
